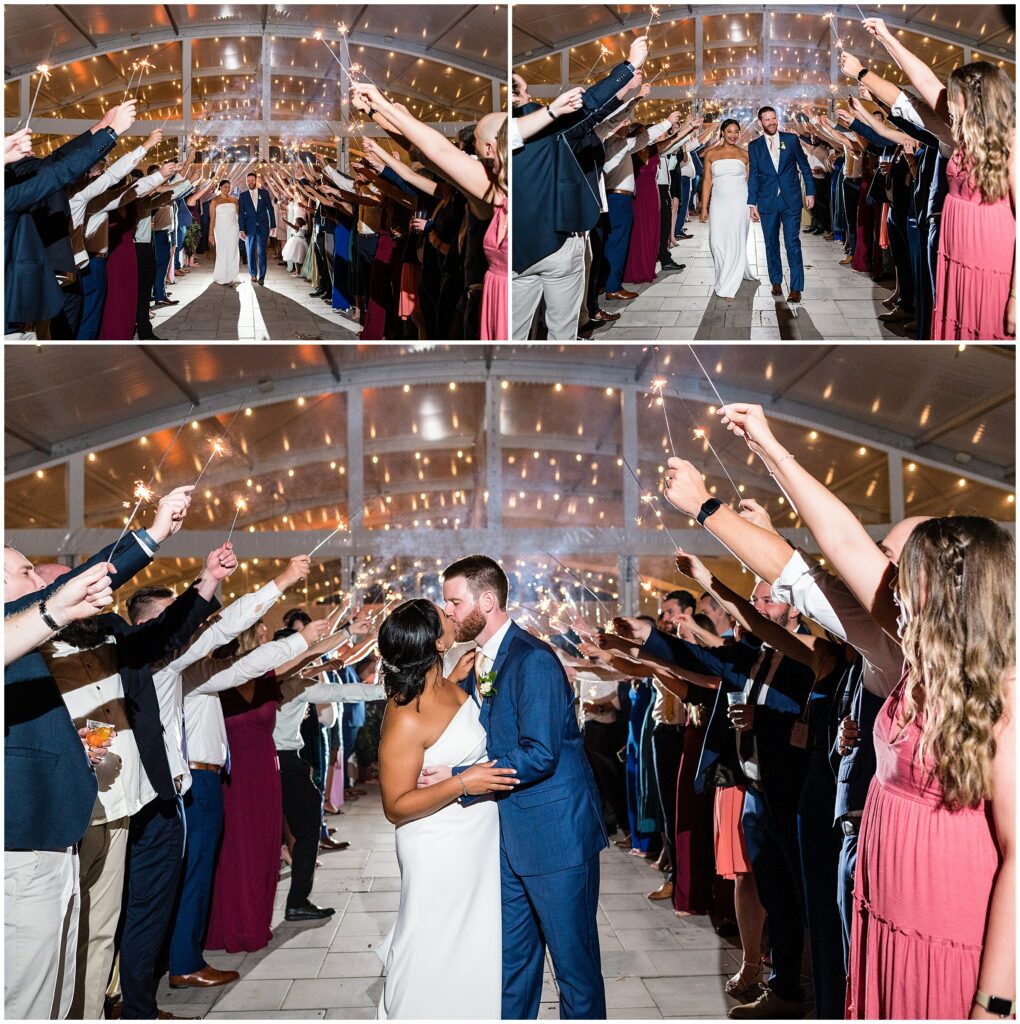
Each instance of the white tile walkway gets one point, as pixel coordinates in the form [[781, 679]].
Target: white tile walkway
[[838, 303], [655, 964]]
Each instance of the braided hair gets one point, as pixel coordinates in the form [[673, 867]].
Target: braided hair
[[407, 648], [957, 589]]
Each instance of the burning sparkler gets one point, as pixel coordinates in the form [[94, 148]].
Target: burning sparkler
[[240, 505], [43, 71], [578, 579]]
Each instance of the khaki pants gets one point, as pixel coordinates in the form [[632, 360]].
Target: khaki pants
[[102, 855], [559, 279], [41, 903]]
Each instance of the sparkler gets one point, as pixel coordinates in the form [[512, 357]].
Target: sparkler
[[218, 447], [143, 492], [574, 576], [604, 51], [340, 526], [705, 372], [44, 75], [700, 434], [240, 505], [647, 498], [658, 383], [654, 14]]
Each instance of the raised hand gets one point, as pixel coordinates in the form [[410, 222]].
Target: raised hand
[[756, 514], [878, 28], [685, 487], [315, 631], [17, 145], [221, 562], [170, 513], [123, 117], [567, 101], [631, 629], [849, 65], [692, 567], [749, 422], [297, 569], [638, 52], [83, 595]]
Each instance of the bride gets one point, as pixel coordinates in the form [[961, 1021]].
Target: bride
[[724, 206], [443, 958], [224, 235]]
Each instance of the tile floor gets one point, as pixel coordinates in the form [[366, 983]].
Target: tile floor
[[655, 965], [838, 303], [280, 311]]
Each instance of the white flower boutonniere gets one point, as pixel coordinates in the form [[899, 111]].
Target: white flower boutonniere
[[487, 684], [782, 145]]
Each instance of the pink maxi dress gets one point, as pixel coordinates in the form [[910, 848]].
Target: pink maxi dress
[[923, 888], [495, 299], [976, 250]]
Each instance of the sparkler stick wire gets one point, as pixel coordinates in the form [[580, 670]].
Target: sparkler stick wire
[[707, 377], [574, 576], [216, 450]]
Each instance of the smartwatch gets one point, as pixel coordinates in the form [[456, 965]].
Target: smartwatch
[[862, 73], [996, 1004], [708, 509]]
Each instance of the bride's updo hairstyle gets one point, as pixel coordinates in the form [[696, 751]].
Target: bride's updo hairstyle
[[727, 123], [407, 648]]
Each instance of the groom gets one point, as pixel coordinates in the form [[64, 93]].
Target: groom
[[551, 829], [256, 217], [773, 194]]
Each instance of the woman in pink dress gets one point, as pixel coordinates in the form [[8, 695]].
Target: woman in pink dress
[[975, 283], [248, 868], [934, 931], [495, 319], [483, 180], [644, 236]]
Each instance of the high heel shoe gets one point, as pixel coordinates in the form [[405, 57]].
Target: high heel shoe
[[745, 985]]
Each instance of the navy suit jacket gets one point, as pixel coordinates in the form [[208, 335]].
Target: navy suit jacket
[[555, 176], [36, 219], [251, 221], [138, 649], [49, 785], [553, 819], [771, 191]]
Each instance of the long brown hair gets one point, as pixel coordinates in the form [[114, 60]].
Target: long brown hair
[[985, 131], [957, 587]]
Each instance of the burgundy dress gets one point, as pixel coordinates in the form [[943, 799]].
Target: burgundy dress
[[975, 267], [644, 237], [120, 311], [694, 871], [923, 884], [248, 869]]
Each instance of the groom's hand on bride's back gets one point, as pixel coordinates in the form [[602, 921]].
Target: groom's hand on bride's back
[[433, 776]]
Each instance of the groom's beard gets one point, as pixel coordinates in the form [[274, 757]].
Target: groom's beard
[[470, 627]]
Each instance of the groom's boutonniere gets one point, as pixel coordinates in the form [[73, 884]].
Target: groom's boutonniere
[[487, 684], [782, 145]]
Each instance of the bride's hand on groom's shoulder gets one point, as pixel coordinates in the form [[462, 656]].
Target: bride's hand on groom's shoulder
[[463, 667]]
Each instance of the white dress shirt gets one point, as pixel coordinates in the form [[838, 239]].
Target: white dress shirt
[[92, 688], [490, 648], [287, 732], [234, 620], [254, 193], [206, 738], [825, 598], [619, 166], [772, 142], [592, 687]]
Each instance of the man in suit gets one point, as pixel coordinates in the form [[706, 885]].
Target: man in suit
[[551, 830], [50, 789], [256, 218], [40, 276], [556, 201], [773, 194]]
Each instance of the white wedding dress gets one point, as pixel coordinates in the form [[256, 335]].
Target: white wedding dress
[[444, 957], [227, 235], [728, 225]]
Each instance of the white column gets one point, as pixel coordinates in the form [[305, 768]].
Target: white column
[[343, 147], [186, 94], [766, 50], [968, 55], [699, 62], [630, 581], [493, 457], [565, 67], [355, 454], [833, 62], [75, 503], [24, 96], [497, 99], [267, 96], [897, 508]]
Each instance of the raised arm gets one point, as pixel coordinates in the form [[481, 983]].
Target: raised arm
[[411, 176], [924, 80]]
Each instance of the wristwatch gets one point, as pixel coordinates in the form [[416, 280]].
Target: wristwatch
[[47, 618], [996, 1004], [862, 73], [549, 111], [708, 509]]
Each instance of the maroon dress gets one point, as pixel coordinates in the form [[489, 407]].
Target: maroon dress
[[248, 869], [120, 311], [644, 236], [694, 871]]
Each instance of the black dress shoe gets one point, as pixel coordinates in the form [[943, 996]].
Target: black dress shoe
[[317, 294], [309, 912], [673, 265], [262, 281]]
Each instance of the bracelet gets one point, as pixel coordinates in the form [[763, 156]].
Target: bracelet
[[47, 618], [460, 779], [784, 458], [549, 111]]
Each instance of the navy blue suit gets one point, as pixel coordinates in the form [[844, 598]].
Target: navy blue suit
[[777, 197], [256, 225], [49, 785], [551, 832]]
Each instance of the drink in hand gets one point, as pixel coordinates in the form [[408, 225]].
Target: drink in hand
[[97, 733]]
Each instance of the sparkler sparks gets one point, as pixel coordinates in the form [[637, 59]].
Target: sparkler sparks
[[43, 71], [240, 505], [657, 385]]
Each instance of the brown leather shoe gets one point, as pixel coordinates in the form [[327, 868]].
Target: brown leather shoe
[[332, 844], [777, 289], [793, 297], [603, 316], [622, 295], [208, 977], [664, 892], [846, 260]]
